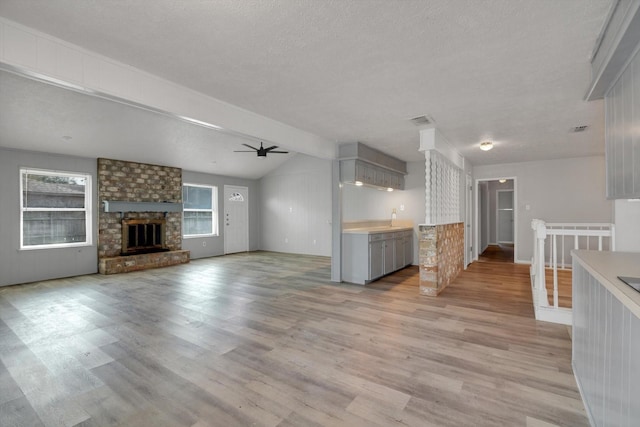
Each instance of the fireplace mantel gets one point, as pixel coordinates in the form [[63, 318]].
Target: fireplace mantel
[[124, 206]]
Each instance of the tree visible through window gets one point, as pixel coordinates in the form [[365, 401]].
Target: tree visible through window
[[199, 210], [55, 209]]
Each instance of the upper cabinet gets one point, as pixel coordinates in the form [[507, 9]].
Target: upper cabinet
[[361, 163], [622, 134], [615, 67]]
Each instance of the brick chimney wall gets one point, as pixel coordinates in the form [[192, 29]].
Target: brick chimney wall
[[120, 180]]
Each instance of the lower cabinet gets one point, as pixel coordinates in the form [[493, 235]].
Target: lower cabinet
[[366, 257]]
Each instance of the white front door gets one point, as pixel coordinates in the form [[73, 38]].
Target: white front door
[[236, 219]]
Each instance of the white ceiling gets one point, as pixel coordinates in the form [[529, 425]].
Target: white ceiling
[[38, 116], [512, 71]]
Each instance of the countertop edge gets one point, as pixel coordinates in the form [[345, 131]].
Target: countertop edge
[[626, 264], [376, 230]]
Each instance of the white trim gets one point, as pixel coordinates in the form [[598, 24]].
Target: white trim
[[87, 209], [476, 253], [214, 211], [432, 139], [555, 315]]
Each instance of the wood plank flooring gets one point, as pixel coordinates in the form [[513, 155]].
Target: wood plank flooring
[[265, 339], [504, 253]]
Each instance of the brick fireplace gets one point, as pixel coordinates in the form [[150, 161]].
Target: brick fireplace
[[140, 220]]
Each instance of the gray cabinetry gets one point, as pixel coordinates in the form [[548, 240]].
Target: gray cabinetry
[[369, 174], [622, 147], [376, 256], [367, 257], [606, 344]]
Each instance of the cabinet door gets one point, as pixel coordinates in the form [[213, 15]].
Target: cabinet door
[[399, 243], [360, 174], [376, 259], [408, 249], [389, 256], [370, 175]]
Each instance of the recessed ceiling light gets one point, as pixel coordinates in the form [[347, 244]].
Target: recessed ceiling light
[[486, 145]]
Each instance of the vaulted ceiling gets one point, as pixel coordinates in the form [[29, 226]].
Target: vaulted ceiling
[[511, 71]]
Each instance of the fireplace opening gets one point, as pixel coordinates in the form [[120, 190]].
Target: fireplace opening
[[143, 236]]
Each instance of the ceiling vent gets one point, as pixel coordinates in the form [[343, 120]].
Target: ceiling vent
[[422, 120], [579, 128]]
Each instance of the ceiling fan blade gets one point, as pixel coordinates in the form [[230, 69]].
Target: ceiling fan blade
[[253, 148], [271, 148], [279, 152], [243, 151]]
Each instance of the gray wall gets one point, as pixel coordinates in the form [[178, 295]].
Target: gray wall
[[563, 190], [202, 247], [21, 266], [363, 203], [296, 207]]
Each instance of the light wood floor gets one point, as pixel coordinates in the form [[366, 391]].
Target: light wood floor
[[266, 339], [504, 253]]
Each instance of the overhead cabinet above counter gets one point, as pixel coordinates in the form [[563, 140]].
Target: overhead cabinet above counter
[[363, 164], [352, 171]]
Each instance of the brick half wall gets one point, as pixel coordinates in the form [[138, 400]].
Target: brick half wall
[[441, 256]]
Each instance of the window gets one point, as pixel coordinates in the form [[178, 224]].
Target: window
[[55, 209], [200, 217]]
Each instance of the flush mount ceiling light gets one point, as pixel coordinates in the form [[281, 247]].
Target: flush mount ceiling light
[[358, 183], [389, 189], [486, 145], [502, 181]]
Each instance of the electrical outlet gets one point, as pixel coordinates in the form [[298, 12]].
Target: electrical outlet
[[401, 207], [204, 243]]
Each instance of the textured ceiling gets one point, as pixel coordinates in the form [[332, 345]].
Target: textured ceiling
[[512, 71], [40, 117]]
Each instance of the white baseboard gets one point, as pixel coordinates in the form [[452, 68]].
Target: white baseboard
[[560, 315]]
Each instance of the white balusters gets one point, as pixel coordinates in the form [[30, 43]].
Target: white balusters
[[560, 231]]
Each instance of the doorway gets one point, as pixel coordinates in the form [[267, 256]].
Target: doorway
[[496, 219], [236, 219], [504, 216]]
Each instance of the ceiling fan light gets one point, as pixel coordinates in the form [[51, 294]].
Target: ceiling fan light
[[486, 145]]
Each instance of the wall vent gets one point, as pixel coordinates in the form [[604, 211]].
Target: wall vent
[[579, 128], [422, 120]]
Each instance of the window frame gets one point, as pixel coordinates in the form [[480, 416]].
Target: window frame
[[87, 209], [213, 210]]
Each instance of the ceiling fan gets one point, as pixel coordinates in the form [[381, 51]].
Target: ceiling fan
[[262, 152]]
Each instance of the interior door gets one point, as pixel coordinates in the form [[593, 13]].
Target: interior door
[[236, 219], [505, 216]]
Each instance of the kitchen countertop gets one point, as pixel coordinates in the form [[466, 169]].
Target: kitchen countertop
[[606, 266], [376, 229]]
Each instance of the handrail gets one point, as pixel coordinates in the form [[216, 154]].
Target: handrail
[[582, 234]]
